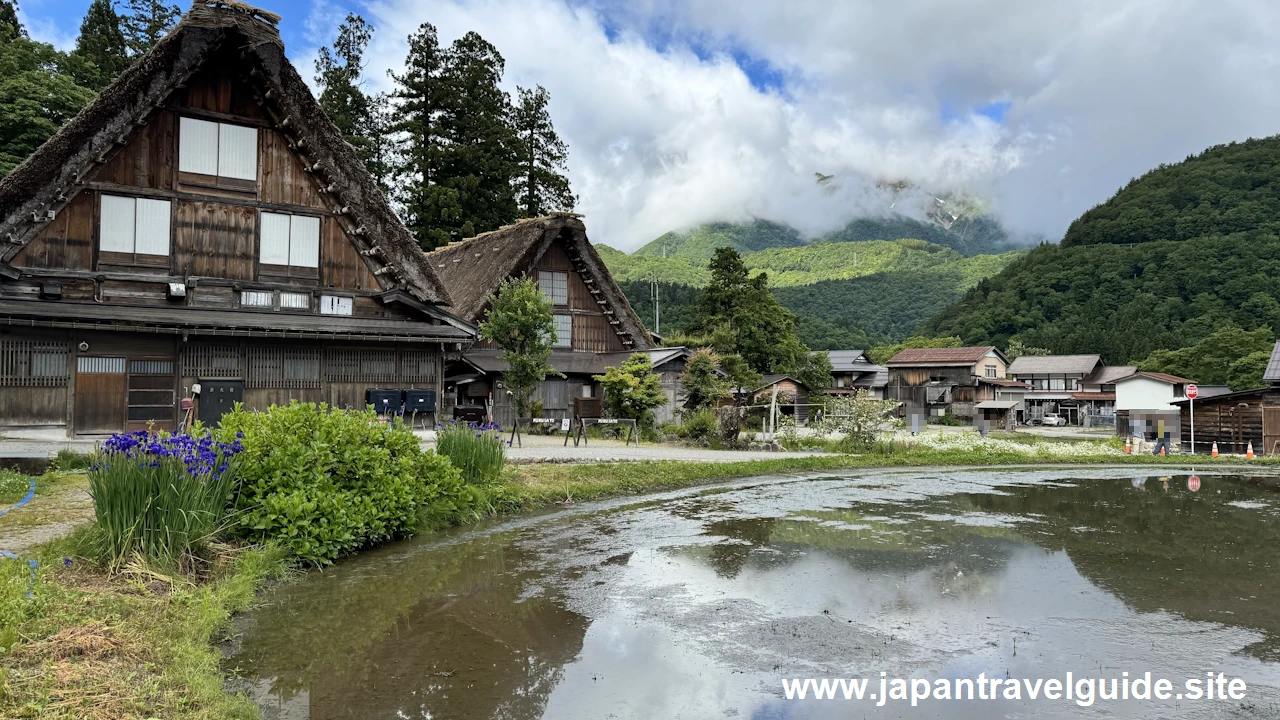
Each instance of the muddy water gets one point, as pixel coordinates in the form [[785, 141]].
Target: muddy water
[[697, 604]]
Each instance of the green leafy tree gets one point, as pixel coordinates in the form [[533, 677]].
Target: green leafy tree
[[38, 93], [145, 22], [812, 369], [101, 45], [1017, 349], [704, 387], [432, 206], [520, 322], [1246, 373], [1229, 356], [541, 184], [633, 390]]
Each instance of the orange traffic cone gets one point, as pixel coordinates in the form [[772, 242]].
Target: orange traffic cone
[[1214, 453], [1127, 447], [1161, 451], [1249, 452]]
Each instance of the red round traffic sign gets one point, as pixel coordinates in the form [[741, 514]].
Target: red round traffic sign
[[1192, 391], [1193, 483]]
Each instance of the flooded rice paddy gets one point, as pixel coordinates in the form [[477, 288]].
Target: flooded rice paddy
[[697, 604]]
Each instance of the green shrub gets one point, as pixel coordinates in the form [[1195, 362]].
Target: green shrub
[[160, 495], [13, 487], [476, 450], [699, 424], [326, 482]]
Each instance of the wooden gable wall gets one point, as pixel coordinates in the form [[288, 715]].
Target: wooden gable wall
[[214, 230], [591, 328]]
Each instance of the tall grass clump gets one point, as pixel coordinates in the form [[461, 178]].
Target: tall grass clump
[[476, 450], [160, 496]]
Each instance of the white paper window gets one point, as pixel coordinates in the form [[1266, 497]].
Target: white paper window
[[134, 225], [297, 301], [554, 286], [335, 305], [255, 298], [237, 152], [290, 240], [218, 149], [564, 330], [197, 146]]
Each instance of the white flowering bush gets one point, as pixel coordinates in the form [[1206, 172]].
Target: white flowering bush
[[973, 442]]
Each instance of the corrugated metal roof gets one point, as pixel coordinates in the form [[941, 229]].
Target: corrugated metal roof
[[1109, 374], [879, 377], [941, 356], [1272, 373], [1163, 377], [1054, 364], [996, 404], [848, 360]]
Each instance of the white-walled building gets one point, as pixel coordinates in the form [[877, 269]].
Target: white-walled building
[[1144, 405]]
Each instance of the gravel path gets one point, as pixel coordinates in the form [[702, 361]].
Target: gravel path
[[542, 448], [45, 518]]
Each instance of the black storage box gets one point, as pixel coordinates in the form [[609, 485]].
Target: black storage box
[[384, 401], [469, 413], [587, 407], [420, 401]]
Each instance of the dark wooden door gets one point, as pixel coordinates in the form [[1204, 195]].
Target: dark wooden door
[[217, 398], [101, 394]]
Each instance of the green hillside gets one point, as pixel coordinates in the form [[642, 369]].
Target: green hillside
[[1225, 189], [700, 243], [848, 294]]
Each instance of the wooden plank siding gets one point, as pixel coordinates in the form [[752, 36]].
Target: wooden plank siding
[[343, 266], [214, 240], [591, 329], [67, 241], [281, 177], [148, 160]]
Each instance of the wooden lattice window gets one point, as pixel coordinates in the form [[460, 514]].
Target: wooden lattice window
[[33, 363], [212, 361], [420, 367], [285, 368], [372, 366]]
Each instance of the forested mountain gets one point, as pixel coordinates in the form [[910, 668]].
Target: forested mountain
[[847, 295], [700, 243], [1185, 252], [1226, 189], [970, 233]]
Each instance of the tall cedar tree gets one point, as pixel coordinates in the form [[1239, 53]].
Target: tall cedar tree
[[361, 118], [541, 186], [145, 22], [38, 91], [431, 207], [101, 45], [480, 157], [742, 312]]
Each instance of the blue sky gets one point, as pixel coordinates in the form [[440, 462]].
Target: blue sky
[[678, 112]]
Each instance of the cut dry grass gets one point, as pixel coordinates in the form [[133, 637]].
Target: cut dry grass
[[132, 645]]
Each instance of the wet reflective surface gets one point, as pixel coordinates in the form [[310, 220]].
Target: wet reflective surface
[[696, 604]]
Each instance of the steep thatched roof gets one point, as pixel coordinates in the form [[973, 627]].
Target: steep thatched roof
[[52, 175], [472, 269]]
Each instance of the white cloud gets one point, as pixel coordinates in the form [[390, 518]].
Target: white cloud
[[1099, 90]]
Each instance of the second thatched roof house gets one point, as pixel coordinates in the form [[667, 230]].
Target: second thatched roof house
[[595, 325]]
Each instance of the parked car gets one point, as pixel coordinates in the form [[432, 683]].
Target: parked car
[[1053, 419]]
